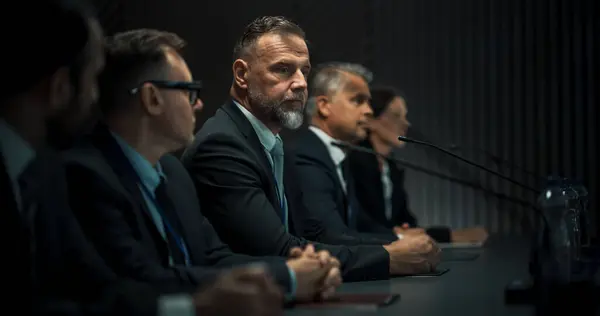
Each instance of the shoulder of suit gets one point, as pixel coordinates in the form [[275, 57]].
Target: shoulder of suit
[[170, 163], [86, 156], [81, 153]]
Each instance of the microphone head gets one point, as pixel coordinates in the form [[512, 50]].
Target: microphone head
[[404, 139], [340, 145]]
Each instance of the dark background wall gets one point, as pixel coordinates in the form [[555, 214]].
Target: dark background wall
[[514, 79]]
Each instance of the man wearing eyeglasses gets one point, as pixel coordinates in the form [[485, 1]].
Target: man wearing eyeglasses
[[138, 204]]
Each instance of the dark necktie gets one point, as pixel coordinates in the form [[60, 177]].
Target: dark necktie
[[351, 203], [29, 185], [171, 224], [277, 154]]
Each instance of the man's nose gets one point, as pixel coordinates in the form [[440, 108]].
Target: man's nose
[[199, 105]]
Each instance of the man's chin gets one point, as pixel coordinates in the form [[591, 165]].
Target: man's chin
[[361, 134], [292, 120]]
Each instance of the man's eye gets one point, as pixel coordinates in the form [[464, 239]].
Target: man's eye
[[283, 69]]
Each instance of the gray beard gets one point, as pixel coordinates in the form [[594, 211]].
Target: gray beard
[[274, 111]]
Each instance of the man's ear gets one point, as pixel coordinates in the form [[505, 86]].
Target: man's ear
[[60, 90], [240, 73], [323, 106], [151, 99]]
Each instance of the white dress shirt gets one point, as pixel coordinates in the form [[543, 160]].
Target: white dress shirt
[[337, 154], [388, 188]]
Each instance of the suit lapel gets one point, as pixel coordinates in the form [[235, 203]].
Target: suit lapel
[[105, 142], [30, 184], [187, 211], [370, 162], [11, 217], [314, 146], [246, 128], [8, 203]]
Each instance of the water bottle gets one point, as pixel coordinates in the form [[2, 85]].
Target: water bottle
[[584, 216], [560, 206]]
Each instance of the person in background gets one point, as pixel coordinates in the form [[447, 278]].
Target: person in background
[[246, 183], [380, 182], [338, 109], [139, 206]]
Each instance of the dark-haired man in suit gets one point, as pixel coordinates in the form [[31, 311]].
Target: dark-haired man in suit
[[138, 205], [245, 182]]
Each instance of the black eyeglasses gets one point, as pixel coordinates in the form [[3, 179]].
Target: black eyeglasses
[[193, 87]]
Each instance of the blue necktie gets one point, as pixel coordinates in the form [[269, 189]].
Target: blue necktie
[[277, 156]]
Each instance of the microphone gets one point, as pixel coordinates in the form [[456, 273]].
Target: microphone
[[476, 186], [497, 160], [472, 163]]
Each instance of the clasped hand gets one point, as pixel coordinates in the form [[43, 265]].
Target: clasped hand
[[317, 273]]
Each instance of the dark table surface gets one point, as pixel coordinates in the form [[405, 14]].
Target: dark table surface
[[473, 287]]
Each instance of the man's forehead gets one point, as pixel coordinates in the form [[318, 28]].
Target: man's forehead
[[356, 84], [178, 66], [274, 45]]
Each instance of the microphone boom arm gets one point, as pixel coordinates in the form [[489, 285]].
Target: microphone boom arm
[[410, 140]]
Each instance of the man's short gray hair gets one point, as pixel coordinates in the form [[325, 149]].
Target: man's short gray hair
[[329, 78]]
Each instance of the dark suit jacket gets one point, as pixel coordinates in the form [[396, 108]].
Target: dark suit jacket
[[15, 242], [114, 215], [369, 192], [323, 192], [66, 276], [369, 188], [235, 185]]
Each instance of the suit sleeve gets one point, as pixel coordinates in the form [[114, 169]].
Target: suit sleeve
[[366, 223], [323, 221], [122, 297], [99, 212], [220, 255]]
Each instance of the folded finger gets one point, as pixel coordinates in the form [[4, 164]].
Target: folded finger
[[295, 252], [324, 256]]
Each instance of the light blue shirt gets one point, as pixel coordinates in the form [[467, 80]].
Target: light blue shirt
[[268, 139], [150, 178], [17, 153]]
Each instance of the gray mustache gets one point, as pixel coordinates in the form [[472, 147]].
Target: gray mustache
[[296, 97]]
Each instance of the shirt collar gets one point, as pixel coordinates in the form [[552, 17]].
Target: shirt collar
[[336, 153], [266, 137], [150, 176], [17, 152]]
